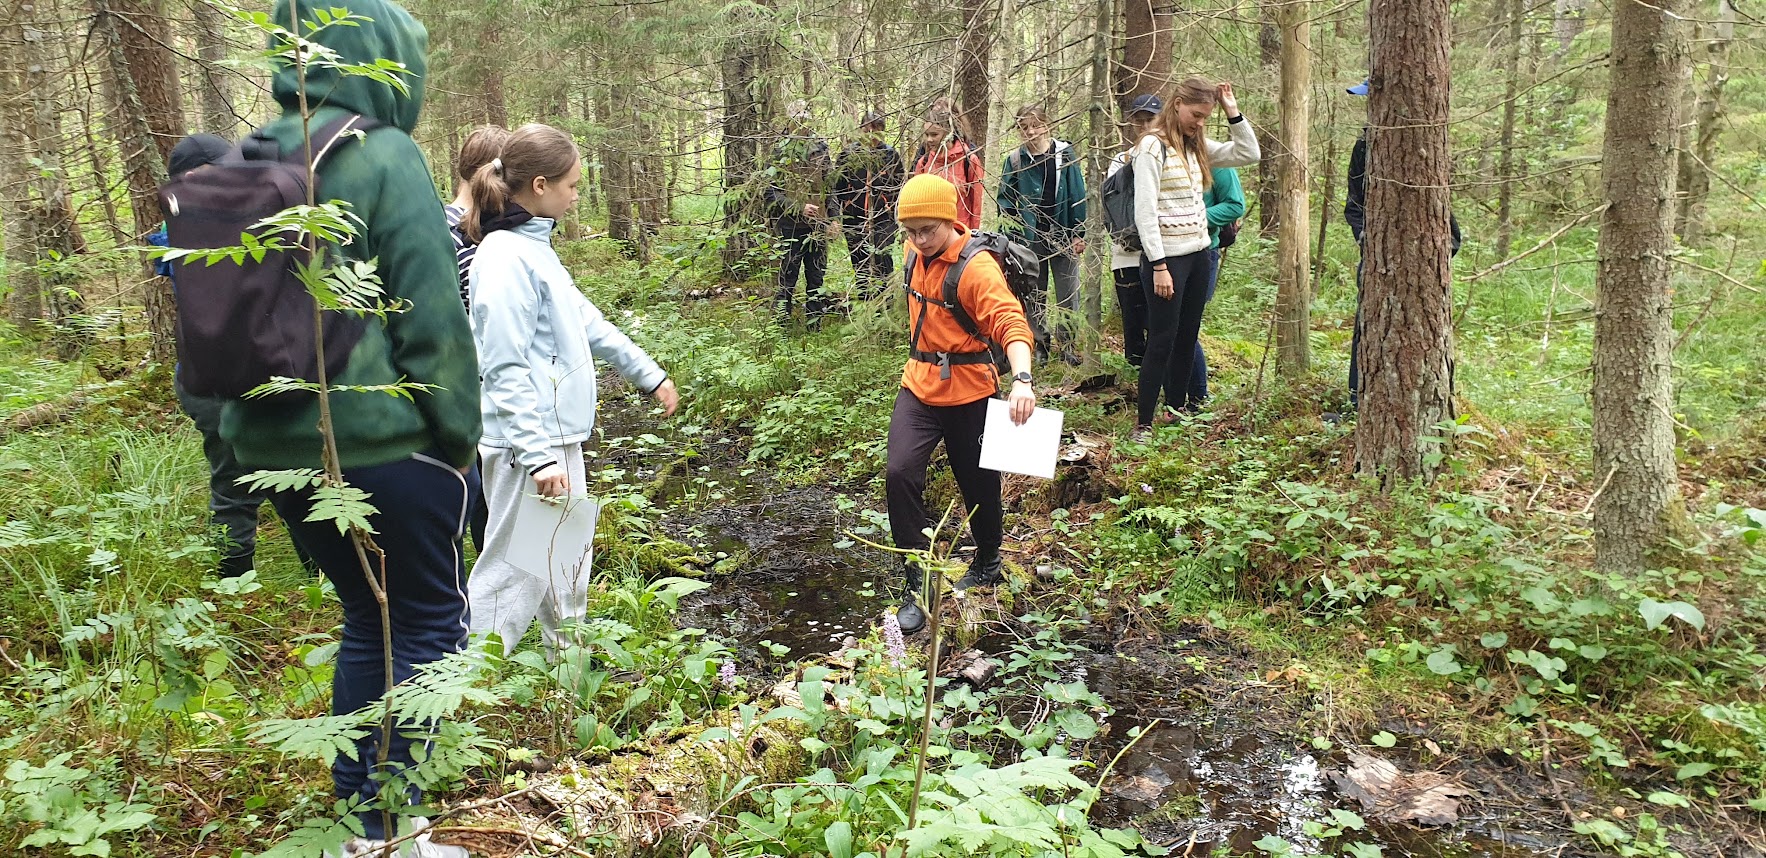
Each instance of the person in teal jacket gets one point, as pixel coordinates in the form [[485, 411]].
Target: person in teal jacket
[[1226, 204], [1042, 204], [412, 455]]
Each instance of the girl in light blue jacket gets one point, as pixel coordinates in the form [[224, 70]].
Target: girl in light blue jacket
[[537, 336]]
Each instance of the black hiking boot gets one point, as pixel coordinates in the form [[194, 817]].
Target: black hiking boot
[[909, 616], [981, 573]]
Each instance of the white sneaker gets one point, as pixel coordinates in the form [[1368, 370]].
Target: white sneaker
[[417, 847]]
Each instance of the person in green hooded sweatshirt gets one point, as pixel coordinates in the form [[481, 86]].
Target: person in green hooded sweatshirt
[[412, 455]]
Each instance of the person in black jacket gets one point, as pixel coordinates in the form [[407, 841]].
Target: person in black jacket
[[868, 181], [800, 199], [1355, 214]]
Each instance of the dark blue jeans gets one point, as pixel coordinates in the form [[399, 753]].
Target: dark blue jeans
[[1199, 375], [422, 508]]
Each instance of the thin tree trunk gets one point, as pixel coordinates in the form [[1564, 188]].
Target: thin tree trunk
[[747, 104], [1569, 17], [1269, 50], [25, 303], [1098, 117], [496, 99], [1639, 490], [974, 51], [1694, 183], [57, 232], [1406, 356], [1293, 301], [146, 40], [218, 115], [1505, 192]]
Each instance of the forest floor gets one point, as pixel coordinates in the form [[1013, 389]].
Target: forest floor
[[1222, 624]]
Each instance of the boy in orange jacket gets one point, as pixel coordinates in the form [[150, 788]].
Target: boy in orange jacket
[[948, 380]]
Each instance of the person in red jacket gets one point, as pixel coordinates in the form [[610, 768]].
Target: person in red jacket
[[944, 153], [948, 380]]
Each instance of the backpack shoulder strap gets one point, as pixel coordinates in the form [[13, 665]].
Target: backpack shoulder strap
[[953, 278]]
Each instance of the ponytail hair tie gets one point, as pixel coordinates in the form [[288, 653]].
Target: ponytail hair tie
[[497, 166]]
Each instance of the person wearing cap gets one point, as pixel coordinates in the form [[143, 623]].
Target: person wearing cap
[[867, 182], [1125, 264], [1355, 214], [949, 378], [799, 201]]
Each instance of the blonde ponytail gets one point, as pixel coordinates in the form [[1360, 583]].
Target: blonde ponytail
[[532, 151]]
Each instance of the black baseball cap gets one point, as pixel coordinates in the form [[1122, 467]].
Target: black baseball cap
[[1148, 103]]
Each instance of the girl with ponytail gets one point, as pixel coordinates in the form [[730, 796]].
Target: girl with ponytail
[[537, 336], [1172, 169]]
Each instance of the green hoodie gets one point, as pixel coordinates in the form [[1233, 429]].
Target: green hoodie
[[386, 181]]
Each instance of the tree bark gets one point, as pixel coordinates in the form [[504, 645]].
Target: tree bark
[[1146, 52], [1694, 182], [57, 233], [1406, 357], [218, 115], [1098, 116], [1639, 490], [496, 99], [141, 28], [25, 300], [1269, 50], [747, 104], [974, 49], [1505, 192], [133, 122], [1293, 300], [1569, 17]]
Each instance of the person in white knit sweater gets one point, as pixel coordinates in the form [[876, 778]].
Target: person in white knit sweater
[[1173, 167]]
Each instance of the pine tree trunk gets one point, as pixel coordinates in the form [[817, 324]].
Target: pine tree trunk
[[496, 99], [1293, 300], [1694, 183], [57, 232], [744, 69], [218, 116], [139, 110], [616, 164], [1569, 17], [1505, 192], [974, 50], [146, 43], [1406, 357], [1633, 323], [1146, 51]]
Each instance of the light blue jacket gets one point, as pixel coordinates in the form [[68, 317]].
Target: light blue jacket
[[536, 338]]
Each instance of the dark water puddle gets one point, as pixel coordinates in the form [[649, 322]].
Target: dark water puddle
[[1215, 769], [1201, 780]]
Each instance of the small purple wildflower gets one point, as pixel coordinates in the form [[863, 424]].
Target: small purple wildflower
[[726, 674], [892, 640]]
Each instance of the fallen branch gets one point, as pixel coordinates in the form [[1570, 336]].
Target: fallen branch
[[42, 414]]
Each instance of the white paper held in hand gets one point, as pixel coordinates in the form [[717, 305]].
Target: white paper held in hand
[[552, 539], [1028, 449]]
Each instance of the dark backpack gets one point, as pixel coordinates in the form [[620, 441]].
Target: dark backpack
[[242, 323], [1117, 194], [1022, 270]]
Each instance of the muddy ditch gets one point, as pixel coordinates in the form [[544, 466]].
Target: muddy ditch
[[1219, 764]]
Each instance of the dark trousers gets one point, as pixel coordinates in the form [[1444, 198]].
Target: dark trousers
[[915, 429], [869, 243], [1355, 346], [1199, 375], [232, 507], [1173, 326], [1063, 269], [806, 248], [1131, 299], [422, 510]]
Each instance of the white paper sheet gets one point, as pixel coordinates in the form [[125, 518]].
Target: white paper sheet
[[1028, 449], [552, 540]]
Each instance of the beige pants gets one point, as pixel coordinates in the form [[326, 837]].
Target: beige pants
[[505, 600]]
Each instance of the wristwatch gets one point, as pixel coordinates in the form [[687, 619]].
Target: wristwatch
[[1023, 376]]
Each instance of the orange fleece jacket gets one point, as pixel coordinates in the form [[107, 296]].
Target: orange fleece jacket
[[996, 311]]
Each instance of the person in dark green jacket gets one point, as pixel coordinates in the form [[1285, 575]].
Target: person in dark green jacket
[[1225, 200], [412, 455], [1042, 203]]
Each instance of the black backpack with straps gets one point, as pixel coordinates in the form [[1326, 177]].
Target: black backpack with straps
[[241, 323], [1021, 268]]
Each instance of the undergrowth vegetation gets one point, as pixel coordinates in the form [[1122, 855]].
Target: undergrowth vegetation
[[149, 709]]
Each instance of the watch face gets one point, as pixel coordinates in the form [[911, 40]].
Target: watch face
[[1023, 376]]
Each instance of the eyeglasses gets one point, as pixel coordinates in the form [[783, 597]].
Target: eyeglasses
[[922, 233]]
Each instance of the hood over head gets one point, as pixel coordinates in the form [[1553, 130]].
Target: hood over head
[[391, 34]]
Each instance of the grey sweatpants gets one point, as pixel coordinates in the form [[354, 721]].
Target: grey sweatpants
[[505, 599]]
